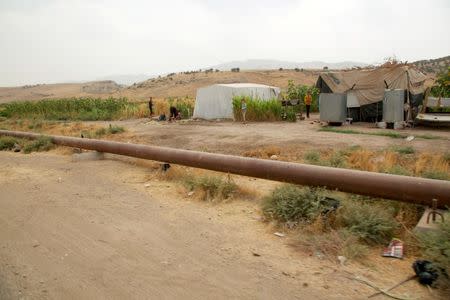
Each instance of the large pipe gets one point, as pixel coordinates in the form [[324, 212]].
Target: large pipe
[[402, 188]]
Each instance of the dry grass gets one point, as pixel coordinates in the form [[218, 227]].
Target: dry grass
[[161, 106], [61, 128], [137, 111], [265, 152], [205, 185], [331, 244], [400, 160], [362, 159]]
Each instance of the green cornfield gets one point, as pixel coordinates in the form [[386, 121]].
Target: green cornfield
[[83, 109], [257, 109]]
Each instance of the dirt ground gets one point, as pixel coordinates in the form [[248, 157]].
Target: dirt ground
[[235, 138], [113, 229]]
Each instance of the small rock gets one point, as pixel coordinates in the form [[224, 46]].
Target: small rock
[[410, 138], [326, 287], [41, 282], [255, 253], [190, 193], [279, 234], [147, 185], [16, 148], [285, 273], [36, 244], [274, 157], [342, 260], [319, 254]]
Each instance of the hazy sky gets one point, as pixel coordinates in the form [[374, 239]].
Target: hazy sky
[[66, 40]]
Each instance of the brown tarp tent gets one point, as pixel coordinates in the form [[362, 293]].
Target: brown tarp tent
[[368, 85]]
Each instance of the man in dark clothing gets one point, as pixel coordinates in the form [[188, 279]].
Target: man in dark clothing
[[150, 106], [173, 113]]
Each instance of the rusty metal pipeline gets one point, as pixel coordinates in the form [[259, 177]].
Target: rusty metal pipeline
[[395, 187]]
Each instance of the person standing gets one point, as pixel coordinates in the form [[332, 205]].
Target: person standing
[[308, 100], [150, 106], [243, 109]]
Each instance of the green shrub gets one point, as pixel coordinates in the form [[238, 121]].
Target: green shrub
[[404, 150], [312, 157], [35, 125], [370, 222], [43, 143], [338, 130], [433, 174], [299, 92], [337, 160], [290, 114], [7, 142], [257, 110], [289, 203], [214, 187], [398, 170], [435, 245], [100, 132], [113, 129], [186, 109]]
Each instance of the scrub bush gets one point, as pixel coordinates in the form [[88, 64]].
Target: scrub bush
[[7, 142], [213, 187], [290, 203], [43, 143]]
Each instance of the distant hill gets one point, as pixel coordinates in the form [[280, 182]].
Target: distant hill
[[186, 84], [433, 66], [127, 79], [270, 64], [59, 90]]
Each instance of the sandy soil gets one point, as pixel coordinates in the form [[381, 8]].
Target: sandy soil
[[111, 230]]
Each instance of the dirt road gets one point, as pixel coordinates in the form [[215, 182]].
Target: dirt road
[[104, 230]]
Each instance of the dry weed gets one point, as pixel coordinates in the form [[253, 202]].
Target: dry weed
[[331, 244], [161, 106], [363, 160], [265, 152]]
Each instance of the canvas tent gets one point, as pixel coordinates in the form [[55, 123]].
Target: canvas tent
[[365, 88], [216, 101]]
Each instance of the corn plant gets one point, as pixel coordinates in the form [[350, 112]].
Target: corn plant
[[257, 109]]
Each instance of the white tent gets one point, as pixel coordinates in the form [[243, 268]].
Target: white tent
[[216, 101]]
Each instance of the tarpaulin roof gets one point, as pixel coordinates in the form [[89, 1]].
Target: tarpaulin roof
[[368, 85]]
